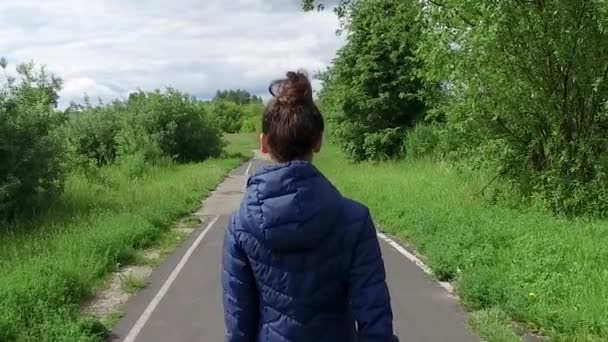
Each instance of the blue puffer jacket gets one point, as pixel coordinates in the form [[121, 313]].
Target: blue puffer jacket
[[302, 263]]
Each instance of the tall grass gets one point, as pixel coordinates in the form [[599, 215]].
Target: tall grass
[[546, 271], [51, 263]]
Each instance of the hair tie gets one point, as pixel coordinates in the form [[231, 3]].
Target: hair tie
[[275, 88]]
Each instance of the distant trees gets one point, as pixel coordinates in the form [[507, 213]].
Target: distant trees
[[238, 96], [236, 111]]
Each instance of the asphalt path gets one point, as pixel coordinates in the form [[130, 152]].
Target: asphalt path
[[183, 301]]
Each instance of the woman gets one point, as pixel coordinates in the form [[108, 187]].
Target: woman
[[301, 262]]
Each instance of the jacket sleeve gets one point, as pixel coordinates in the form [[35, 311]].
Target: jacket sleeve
[[368, 292], [240, 296]]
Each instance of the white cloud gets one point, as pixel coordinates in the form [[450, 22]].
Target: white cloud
[[73, 88], [107, 48]]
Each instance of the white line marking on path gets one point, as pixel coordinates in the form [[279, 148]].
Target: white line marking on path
[[163, 290], [248, 169], [411, 257]]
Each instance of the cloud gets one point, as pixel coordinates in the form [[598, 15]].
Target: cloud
[[74, 88], [107, 48]]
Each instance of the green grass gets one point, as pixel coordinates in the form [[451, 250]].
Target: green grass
[[241, 143], [494, 325], [165, 244], [132, 284], [49, 265], [545, 271], [112, 319]]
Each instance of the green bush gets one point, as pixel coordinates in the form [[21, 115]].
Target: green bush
[[91, 134], [32, 155], [251, 125], [383, 144], [151, 126], [228, 116], [174, 123], [233, 113], [134, 139]]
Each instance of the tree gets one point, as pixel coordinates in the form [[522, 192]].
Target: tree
[[372, 92], [32, 155], [528, 84], [342, 8]]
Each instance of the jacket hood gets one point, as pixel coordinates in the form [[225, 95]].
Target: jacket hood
[[290, 206]]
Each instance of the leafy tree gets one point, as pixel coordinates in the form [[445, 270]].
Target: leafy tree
[[342, 8], [372, 91], [32, 155], [527, 84]]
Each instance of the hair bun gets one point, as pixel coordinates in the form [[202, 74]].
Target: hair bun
[[294, 90]]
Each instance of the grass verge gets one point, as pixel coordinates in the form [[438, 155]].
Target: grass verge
[[494, 325], [132, 284], [539, 269], [49, 265], [240, 143]]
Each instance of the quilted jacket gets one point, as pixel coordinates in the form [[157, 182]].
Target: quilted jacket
[[302, 263]]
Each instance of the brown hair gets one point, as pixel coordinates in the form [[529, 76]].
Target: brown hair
[[292, 122]]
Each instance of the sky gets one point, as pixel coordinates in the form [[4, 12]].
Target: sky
[[108, 48]]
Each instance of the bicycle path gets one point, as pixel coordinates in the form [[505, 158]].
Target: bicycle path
[[183, 301]]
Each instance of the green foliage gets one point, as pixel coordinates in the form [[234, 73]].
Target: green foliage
[[494, 325], [50, 264], [132, 283], [174, 123], [526, 85], [228, 116], [252, 123], [425, 140], [39, 144], [232, 117], [32, 155], [342, 8], [240, 97], [91, 133], [382, 144], [148, 125], [372, 92], [523, 88]]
